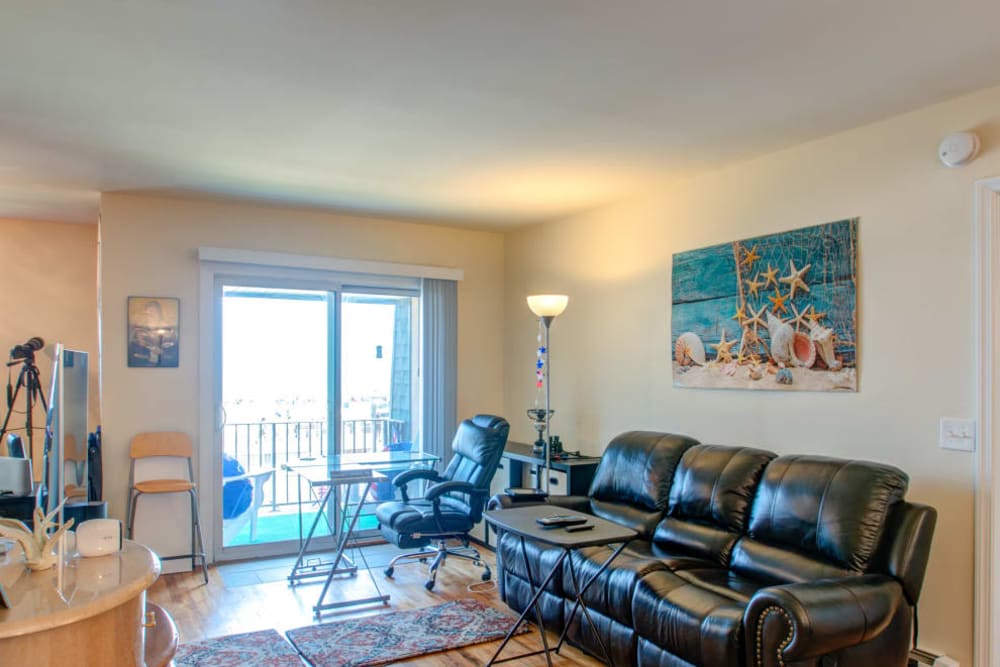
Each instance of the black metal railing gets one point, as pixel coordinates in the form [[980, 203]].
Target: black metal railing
[[259, 445]]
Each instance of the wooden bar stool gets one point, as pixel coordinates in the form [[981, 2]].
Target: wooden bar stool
[[167, 445]]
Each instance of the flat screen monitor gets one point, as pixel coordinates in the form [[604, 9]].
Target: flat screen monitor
[[65, 476]]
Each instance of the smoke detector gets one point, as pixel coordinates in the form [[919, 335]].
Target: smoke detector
[[958, 149]]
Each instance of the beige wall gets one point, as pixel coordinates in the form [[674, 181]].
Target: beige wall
[[50, 290], [611, 356], [149, 247]]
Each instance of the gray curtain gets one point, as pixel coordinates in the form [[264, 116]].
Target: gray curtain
[[439, 303]]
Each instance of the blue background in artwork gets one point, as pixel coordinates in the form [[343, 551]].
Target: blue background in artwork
[[705, 295]]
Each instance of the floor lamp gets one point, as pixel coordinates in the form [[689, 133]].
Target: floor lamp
[[547, 307]]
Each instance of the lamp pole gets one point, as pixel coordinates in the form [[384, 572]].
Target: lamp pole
[[547, 320], [548, 307]]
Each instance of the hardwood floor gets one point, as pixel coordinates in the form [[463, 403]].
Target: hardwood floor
[[230, 603]]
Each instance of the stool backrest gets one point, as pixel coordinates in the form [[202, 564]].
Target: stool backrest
[[161, 443]]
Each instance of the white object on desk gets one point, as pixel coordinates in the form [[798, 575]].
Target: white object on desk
[[99, 537]]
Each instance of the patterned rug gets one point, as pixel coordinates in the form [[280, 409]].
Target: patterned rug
[[251, 649], [377, 640]]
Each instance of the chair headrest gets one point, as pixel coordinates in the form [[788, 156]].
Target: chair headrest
[[478, 442]]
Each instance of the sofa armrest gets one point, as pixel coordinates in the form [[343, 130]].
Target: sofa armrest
[[803, 621], [502, 501]]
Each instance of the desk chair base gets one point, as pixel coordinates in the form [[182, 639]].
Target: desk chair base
[[439, 554]]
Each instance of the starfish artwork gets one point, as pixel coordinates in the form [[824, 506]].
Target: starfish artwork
[[743, 310], [778, 302], [794, 279], [815, 317], [799, 319], [751, 256], [756, 319], [754, 285], [770, 276], [723, 349]]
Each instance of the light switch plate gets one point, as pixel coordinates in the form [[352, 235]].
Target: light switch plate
[[958, 434]]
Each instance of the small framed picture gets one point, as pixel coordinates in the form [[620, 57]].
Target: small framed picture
[[153, 332]]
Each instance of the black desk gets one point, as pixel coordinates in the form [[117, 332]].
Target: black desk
[[18, 507], [520, 521], [578, 470]]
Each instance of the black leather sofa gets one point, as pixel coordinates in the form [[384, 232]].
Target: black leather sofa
[[743, 558]]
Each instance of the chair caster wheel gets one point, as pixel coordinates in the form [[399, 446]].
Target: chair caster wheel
[[429, 585], [389, 571], [487, 575]]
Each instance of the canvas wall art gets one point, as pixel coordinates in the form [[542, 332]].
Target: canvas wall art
[[153, 332], [774, 312]]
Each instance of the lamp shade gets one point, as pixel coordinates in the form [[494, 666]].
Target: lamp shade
[[548, 305]]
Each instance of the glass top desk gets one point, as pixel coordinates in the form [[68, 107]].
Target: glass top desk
[[324, 476]]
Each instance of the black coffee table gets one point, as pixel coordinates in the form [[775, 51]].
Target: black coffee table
[[520, 521]]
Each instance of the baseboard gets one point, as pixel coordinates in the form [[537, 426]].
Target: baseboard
[[922, 658], [479, 543]]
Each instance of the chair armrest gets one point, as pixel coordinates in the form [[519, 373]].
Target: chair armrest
[[802, 621], [405, 477], [438, 490]]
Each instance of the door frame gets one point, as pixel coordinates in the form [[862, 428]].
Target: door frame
[[216, 263], [986, 262]]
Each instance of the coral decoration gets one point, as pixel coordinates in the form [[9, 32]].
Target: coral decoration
[[38, 545]]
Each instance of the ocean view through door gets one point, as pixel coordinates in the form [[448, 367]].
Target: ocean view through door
[[307, 374]]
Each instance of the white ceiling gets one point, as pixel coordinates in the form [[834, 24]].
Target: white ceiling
[[491, 113]]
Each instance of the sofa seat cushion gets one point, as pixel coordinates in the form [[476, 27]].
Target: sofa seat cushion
[[668, 557], [417, 516], [723, 582], [611, 594], [691, 616], [542, 559]]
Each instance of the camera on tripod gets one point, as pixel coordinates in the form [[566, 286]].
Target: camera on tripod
[[27, 349], [29, 380]]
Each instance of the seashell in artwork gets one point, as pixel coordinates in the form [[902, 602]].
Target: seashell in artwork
[[803, 350], [822, 338], [689, 349], [784, 376], [782, 339]]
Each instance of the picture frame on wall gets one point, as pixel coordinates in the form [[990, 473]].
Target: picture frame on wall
[[776, 312], [153, 332]]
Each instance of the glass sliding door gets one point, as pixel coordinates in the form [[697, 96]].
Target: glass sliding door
[[307, 371], [378, 380], [276, 390]]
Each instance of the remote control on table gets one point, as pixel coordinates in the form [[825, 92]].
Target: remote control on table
[[577, 529]]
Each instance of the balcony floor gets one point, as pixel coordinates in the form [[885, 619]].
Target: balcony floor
[[283, 525]]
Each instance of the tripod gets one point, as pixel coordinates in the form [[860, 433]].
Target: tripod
[[29, 380]]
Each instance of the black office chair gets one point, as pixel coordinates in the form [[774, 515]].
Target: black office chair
[[452, 504]]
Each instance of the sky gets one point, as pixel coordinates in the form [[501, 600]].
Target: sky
[[275, 358]]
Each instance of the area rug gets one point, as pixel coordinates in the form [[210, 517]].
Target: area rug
[[251, 649], [377, 640]]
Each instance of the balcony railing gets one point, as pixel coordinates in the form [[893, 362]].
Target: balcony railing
[[269, 444]]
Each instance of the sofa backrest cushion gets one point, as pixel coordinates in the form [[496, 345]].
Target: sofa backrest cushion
[[632, 483], [710, 500], [828, 511]]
